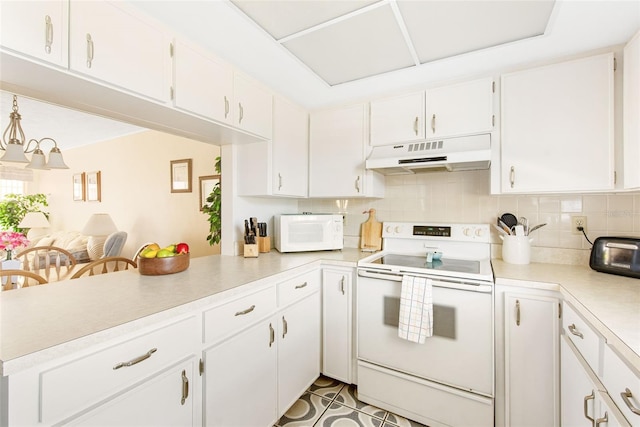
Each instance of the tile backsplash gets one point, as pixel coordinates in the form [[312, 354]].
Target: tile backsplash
[[465, 197]]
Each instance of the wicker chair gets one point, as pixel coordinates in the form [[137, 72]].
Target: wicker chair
[[105, 265], [13, 279], [51, 262]]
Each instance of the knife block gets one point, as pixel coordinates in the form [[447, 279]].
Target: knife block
[[251, 250], [264, 244]]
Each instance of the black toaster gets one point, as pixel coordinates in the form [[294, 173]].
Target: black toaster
[[616, 255]]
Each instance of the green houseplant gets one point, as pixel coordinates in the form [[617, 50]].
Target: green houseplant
[[213, 210], [15, 206]]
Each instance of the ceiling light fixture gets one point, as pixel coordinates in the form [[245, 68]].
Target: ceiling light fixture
[[13, 145]]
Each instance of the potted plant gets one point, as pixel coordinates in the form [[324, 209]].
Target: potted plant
[[213, 209], [15, 206]]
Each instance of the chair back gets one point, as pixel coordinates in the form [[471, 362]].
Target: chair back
[[114, 244], [15, 279], [51, 262], [105, 265]]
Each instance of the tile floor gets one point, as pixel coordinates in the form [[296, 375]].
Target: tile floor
[[330, 403]]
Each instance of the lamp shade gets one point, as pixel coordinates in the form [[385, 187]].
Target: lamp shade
[[14, 153], [34, 220], [99, 224], [55, 160], [37, 160]]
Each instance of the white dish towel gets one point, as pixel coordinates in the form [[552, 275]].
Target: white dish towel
[[416, 309]]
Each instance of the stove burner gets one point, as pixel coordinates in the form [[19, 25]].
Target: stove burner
[[420, 262]]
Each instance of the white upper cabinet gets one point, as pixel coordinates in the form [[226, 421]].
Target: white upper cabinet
[[113, 44], [558, 127], [39, 29], [460, 109], [631, 112], [398, 119], [203, 84], [279, 167], [337, 152], [252, 106]]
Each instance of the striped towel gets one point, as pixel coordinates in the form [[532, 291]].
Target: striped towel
[[416, 309]]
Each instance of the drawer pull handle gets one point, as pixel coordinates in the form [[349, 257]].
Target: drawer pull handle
[[247, 311], [272, 335], [626, 395], [185, 387], [285, 327], [586, 406], [136, 360], [303, 285], [603, 419], [572, 328]]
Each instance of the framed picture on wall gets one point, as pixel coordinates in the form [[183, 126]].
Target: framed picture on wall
[[79, 190], [181, 176], [93, 187], [207, 183]]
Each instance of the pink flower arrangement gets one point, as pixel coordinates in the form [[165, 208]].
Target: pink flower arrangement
[[11, 240]]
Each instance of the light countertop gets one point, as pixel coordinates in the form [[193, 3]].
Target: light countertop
[[41, 323], [610, 303]]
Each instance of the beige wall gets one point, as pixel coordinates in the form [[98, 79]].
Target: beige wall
[[135, 189], [465, 197]]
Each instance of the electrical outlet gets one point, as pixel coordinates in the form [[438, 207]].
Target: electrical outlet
[[578, 221]]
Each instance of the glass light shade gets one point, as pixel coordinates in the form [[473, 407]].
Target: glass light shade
[[37, 160], [34, 220], [55, 160], [99, 224], [14, 153]]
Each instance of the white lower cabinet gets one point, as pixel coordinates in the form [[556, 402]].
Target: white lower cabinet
[[240, 379], [337, 320], [584, 403], [164, 400], [527, 357]]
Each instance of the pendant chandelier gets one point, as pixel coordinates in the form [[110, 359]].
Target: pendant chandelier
[[15, 149]]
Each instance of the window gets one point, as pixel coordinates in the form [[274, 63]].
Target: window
[[11, 186]]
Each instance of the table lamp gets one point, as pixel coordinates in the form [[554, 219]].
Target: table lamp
[[98, 228], [35, 222]]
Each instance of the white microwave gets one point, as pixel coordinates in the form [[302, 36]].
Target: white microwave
[[308, 232]]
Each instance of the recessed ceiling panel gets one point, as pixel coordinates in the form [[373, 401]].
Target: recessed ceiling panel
[[364, 45], [281, 18], [440, 29]]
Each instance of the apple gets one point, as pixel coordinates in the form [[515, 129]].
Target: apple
[[182, 248], [165, 253]]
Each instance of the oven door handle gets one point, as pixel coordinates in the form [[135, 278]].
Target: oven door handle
[[437, 281]]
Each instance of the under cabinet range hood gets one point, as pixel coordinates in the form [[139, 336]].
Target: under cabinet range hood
[[453, 154]]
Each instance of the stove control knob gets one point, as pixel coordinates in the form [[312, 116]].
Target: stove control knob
[[389, 229], [467, 232], [398, 229], [479, 232]]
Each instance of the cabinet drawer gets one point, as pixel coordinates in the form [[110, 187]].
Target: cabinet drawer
[[298, 287], [235, 315], [74, 386], [586, 340], [623, 385]]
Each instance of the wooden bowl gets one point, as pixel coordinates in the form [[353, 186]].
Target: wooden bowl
[[159, 266]]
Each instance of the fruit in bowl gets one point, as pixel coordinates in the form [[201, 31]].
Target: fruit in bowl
[[154, 260]]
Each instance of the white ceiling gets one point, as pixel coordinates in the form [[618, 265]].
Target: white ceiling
[[335, 39]]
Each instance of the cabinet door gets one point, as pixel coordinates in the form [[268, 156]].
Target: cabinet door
[[298, 350], [398, 119], [240, 379], [36, 28], [110, 43], [578, 391], [337, 324], [166, 399], [252, 106], [557, 127], [460, 109], [203, 84], [336, 152], [290, 149], [631, 112], [531, 360]]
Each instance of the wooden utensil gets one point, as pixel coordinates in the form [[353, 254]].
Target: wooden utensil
[[371, 233]]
